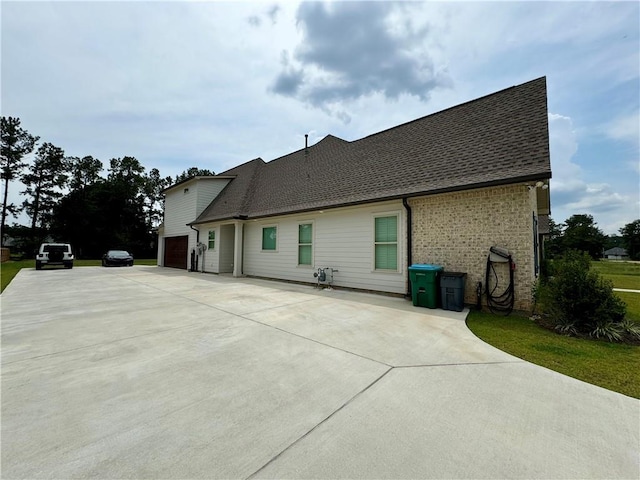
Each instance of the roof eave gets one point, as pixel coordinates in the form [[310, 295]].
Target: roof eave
[[218, 220], [493, 183], [201, 177]]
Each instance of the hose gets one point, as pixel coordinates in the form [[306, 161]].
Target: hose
[[500, 304]]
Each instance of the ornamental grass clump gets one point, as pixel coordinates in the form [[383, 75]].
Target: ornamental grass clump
[[575, 300]]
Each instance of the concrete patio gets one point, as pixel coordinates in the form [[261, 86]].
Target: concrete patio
[[147, 372]]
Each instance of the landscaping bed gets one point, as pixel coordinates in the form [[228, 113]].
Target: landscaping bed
[[612, 365]]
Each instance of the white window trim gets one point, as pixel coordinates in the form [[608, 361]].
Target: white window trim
[[270, 225], [398, 215], [313, 242]]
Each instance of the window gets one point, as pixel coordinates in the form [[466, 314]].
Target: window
[[386, 243], [269, 235], [305, 243], [212, 239]]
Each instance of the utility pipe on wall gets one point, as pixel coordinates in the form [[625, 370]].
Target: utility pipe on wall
[[194, 262], [409, 240]]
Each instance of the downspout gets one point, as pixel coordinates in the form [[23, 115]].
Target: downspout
[[409, 241], [194, 265]]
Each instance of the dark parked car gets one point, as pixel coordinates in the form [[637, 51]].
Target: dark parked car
[[117, 258]]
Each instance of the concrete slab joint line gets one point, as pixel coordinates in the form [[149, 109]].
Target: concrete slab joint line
[[457, 364], [272, 326], [158, 373], [254, 474], [84, 347]]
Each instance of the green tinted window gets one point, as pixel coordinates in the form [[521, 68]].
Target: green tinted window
[[212, 239], [304, 255], [305, 240], [269, 235], [386, 243], [386, 257], [387, 229], [304, 233]]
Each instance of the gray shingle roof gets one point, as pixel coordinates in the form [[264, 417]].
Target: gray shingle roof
[[616, 251], [498, 139]]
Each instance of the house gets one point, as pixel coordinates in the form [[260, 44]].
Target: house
[[616, 253], [441, 189]]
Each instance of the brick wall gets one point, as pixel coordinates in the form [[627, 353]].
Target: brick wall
[[455, 230]]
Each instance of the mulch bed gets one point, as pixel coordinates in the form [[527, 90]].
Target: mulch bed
[[546, 323]]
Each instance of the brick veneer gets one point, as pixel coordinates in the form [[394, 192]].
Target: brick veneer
[[455, 230]]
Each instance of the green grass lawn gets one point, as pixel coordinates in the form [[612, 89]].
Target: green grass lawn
[[623, 281], [633, 304], [616, 267], [622, 274], [8, 270], [609, 365]]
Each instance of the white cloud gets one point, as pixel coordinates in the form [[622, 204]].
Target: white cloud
[[351, 50], [571, 194], [626, 128], [179, 84], [598, 198], [563, 144]]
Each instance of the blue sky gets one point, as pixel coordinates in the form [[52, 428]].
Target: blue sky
[[210, 84]]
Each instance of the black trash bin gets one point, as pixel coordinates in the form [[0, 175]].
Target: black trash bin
[[452, 290]]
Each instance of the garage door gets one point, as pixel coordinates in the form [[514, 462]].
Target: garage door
[[175, 252]]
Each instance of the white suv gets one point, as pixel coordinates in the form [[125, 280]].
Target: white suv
[[54, 254]]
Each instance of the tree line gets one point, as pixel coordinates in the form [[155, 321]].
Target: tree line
[[70, 199], [580, 232]]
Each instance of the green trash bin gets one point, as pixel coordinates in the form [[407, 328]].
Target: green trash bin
[[424, 284]]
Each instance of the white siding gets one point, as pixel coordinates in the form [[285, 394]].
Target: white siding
[[207, 190], [183, 205], [342, 239], [211, 256], [220, 258], [227, 239], [179, 209]]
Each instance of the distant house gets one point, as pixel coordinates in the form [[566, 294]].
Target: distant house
[[441, 189], [616, 253]]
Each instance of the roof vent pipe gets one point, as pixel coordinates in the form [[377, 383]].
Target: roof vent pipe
[[306, 144]]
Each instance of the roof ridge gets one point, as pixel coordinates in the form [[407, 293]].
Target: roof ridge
[[191, 179], [499, 139], [454, 107], [240, 165], [248, 196], [301, 150]]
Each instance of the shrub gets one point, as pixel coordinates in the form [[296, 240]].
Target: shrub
[[578, 301]]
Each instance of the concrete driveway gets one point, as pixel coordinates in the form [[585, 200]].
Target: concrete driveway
[[146, 372]]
